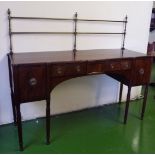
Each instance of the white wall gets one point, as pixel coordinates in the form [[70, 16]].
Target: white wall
[[152, 34], [153, 4], [77, 93]]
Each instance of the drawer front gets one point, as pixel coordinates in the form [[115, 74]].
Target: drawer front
[[31, 82], [113, 65], [58, 70], [118, 65], [142, 71], [108, 66], [96, 67], [126, 64]]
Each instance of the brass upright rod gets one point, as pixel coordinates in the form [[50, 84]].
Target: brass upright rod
[[124, 34], [75, 31], [10, 34]]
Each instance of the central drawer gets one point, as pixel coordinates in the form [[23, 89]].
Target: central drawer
[[118, 65], [67, 69], [108, 66]]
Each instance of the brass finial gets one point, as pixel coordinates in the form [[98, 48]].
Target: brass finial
[[9, 12], [76, 15]]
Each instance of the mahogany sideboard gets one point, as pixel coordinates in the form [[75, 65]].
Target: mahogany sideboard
[[34, 75]]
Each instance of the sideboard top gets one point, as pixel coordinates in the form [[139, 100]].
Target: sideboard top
[[68, 56]]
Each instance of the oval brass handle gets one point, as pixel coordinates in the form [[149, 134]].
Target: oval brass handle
[[32, 81], [78, 68], [59, 70], [112, 66], [141, 71]]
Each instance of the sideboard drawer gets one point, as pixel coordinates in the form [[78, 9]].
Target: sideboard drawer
[[31, 82], [126, 64], [118, 65], [108, 66], [142, 71], [114, 65], [58, 70], [96, 67]]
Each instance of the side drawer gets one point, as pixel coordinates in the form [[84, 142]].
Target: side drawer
[[142, 71], [58, 70], [31, 82]]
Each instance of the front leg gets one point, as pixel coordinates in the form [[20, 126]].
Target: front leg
[[144, 102], [19, 125], [120, 92], [14, 109], [48, 120], [127, 104]]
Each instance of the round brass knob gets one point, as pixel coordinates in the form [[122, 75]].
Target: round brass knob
[[78, 68], [59, 70], [32, 81], [141, 71]]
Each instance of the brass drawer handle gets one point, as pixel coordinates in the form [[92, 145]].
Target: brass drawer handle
[[126, 65], [78, 68], [112, 66], [32, 81], [141, 71], [59, 70]]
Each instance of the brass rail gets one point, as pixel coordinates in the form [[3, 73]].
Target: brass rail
[[12, 33], [75, 33], [68, 19]]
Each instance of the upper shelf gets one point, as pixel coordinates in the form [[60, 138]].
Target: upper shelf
[[74, 20]]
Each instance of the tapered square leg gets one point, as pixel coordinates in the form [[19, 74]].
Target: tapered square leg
[[19, 126], [48, 120], [144, 102], [120, 92], [12, 93], [14, 109], [127, 105]]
